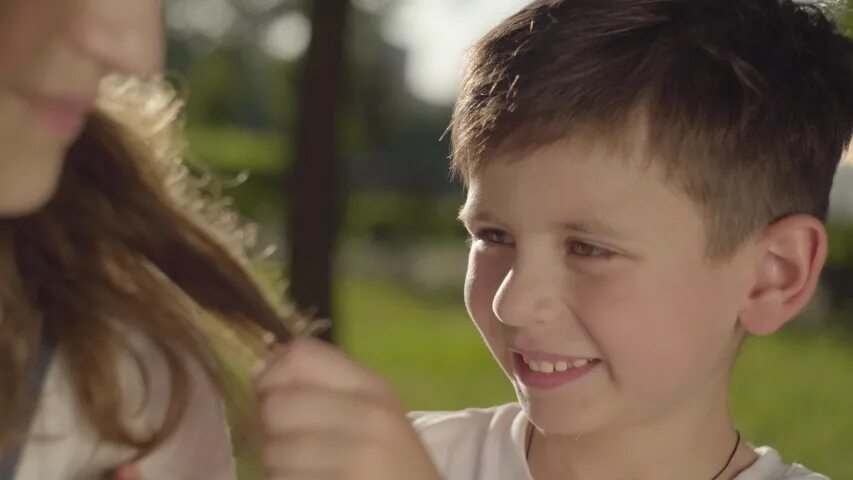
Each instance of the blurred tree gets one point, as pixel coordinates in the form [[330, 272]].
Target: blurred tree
[[848, 17], [366, 142], [315, 180]]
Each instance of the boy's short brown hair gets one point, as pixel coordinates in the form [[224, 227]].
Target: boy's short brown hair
[[748, 103]]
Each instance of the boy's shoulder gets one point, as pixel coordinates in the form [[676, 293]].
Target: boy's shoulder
[[488, 443], [476, 443], [468, 417], [470, 421], [770, 466]]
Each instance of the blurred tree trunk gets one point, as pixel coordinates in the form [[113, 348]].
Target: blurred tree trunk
[[315, 181]]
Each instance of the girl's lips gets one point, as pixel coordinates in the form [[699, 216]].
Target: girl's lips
[[62, 116], [63, 120]]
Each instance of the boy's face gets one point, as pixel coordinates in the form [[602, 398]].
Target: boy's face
[[580, 254]]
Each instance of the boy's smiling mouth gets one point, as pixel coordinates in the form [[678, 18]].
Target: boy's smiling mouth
[[548, 371]]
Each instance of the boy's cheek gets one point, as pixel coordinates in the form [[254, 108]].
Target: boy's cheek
[[628, 315], [658, 340], [482, 282], [485, 275], [479, 304]]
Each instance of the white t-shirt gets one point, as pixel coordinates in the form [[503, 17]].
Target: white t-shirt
[[62, 444], [488, 444]]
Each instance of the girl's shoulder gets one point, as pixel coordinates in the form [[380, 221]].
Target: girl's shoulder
[[61, 432]]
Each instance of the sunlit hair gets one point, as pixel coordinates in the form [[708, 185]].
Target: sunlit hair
[[133, 241]]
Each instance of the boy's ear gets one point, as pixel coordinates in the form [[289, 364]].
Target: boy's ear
[[791, 256]]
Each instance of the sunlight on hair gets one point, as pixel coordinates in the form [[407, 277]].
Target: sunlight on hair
[[154, 108]]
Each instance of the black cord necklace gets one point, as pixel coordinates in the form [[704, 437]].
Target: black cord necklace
[[731, 457], [715, 477]]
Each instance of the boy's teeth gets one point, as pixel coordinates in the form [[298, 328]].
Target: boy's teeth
[[545, 366]]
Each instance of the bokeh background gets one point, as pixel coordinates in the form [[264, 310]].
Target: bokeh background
[[324, 121]]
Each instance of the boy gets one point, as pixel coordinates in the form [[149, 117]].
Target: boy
[[647, 183]]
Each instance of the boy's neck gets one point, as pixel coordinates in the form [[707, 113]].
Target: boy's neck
[[691, 443]]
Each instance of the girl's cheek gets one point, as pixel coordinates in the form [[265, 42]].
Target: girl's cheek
[[25, 27]]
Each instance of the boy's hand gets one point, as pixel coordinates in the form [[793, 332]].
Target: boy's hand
[[327, 417]]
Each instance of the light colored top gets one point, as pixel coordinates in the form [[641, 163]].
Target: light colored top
[[62, 444], [488, 444]]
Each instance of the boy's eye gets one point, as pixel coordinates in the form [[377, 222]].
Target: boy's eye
[[583, 249], [493, 236]]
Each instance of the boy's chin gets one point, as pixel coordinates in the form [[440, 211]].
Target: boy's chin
[[557, 418]]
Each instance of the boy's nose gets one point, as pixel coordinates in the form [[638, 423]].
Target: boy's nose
[[124, 36], [529, 296]]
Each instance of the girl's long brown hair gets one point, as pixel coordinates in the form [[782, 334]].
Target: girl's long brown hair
[[130, 242]]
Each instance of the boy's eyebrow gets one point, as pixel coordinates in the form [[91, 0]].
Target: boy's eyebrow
[[587, 226], [591, 226], [469, 215]]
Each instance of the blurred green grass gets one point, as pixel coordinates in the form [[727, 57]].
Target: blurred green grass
[[232, 150], [791, 391]]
